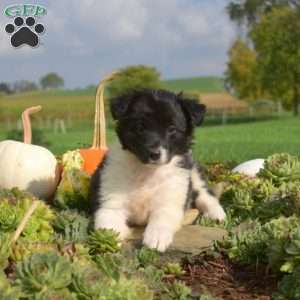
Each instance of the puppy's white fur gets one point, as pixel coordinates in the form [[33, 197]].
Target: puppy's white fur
[[207, 203], [149, 194]]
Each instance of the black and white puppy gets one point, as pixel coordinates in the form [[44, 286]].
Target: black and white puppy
[[150, 178]]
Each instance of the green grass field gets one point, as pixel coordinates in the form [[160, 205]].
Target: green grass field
[[238, 142], [80, 103], [196, 84]]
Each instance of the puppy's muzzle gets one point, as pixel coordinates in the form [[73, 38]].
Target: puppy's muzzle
[[158, 156], [155, 155]]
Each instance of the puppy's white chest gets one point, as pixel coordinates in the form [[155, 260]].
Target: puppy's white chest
[[152, 188]]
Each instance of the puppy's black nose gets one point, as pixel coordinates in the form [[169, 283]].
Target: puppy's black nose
[[154, 155]]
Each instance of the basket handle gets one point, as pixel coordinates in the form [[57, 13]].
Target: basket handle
[[99, 138]]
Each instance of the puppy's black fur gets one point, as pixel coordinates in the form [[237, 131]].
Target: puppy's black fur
[[149, 119]]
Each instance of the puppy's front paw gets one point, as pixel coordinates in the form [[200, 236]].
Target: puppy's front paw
[[216, 212], [158, 237]]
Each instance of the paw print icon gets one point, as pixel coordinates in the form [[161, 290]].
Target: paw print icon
[[24, 32]]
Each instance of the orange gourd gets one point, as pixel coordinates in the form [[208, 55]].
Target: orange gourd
[[93, 156]]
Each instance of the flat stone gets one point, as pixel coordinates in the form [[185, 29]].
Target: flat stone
[[190, 216], [191, 239]]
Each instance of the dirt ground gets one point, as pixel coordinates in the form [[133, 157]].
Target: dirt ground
[[224, 280]]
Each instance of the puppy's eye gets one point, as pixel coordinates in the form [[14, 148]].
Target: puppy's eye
[[172, 130], [140, 127]]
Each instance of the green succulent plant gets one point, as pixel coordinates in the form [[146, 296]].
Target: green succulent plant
[[13, 206], [147, 256], [291, 255], [110, 265], [9, 216], [125, 289], [207, 297], [179, 291], [280, 168], [43, 271], [7, 291], [24, 248], [106, 282], [153, 277], [103, 241], [289, 287], [39, 227], [221, 172], [63, 294], [71, 225], [258, 243], [243, 201], [75, 252], [14, 195], [228, 223], [5, 243], [87, 282], [174, 269]]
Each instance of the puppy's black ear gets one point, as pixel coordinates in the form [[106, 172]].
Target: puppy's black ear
[[118, 106], [193, 110]]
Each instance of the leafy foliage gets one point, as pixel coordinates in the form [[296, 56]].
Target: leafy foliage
[[207, 297], [63, 294], [241, 71], [8, 292], [280, 168], [289, 287], [173, 268], [5, 243], [132, 78], [276, 40], [125, 289], [271, 65], [25, 248], [70, 262], [179, 291], [71, 225], [38, 136], [51, 81], [147, 256], [110, 265], [249, 12], [9, 217], [14, 204], [87, 282], [261, 243], [103, 241], [41, 272]]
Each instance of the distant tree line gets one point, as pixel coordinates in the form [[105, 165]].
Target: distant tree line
[[264, 62], [48, 81]]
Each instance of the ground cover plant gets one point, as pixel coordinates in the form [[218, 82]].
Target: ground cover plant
[[59, 256]]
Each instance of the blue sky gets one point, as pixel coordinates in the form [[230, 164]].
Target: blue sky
[[86, 39]]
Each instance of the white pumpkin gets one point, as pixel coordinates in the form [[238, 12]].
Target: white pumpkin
[[28, 167], [250, 167]]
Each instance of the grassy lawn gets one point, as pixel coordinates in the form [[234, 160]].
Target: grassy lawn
[[199, 84], [238, 142], [241, 142]]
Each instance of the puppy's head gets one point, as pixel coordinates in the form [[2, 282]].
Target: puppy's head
[[155, 125]]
